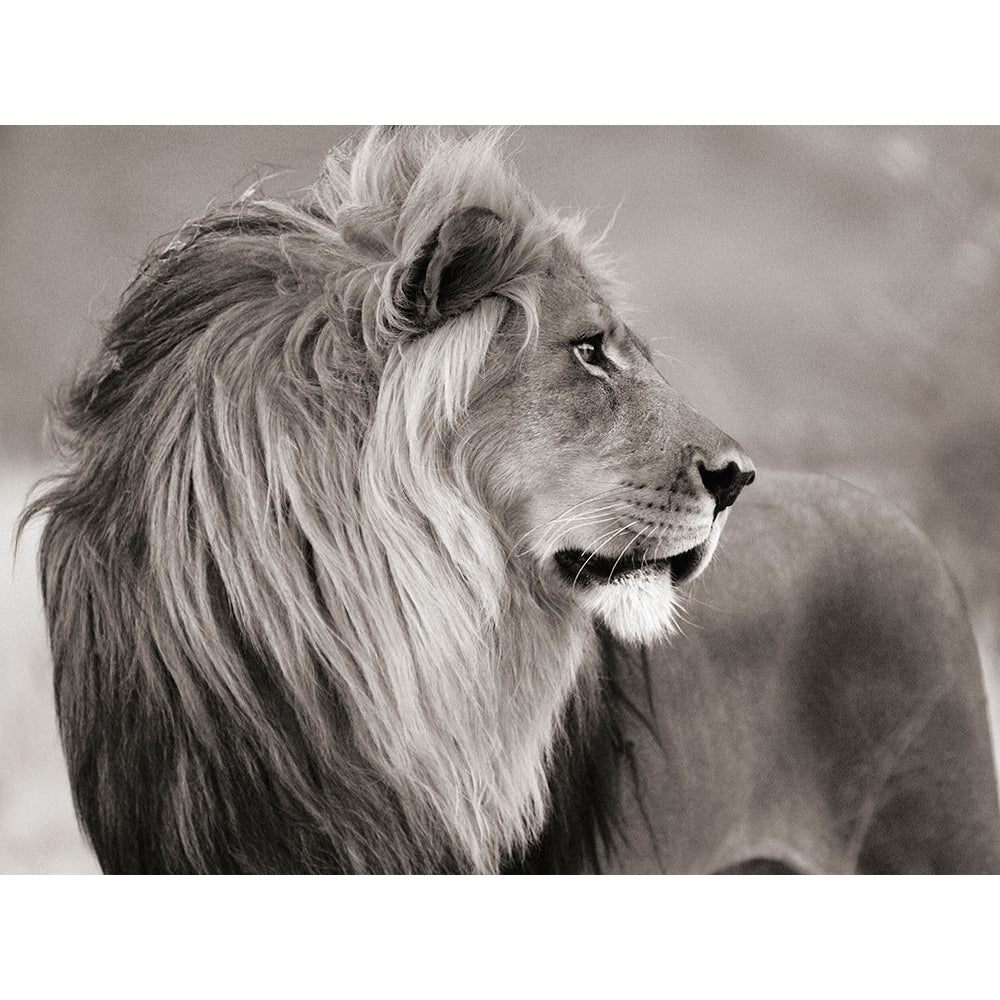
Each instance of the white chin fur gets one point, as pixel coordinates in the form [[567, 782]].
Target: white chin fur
[[638, 608]]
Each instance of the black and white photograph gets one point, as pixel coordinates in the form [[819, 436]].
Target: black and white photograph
[[473, 500]]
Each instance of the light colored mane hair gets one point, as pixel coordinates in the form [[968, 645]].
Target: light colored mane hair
[[277, 524]]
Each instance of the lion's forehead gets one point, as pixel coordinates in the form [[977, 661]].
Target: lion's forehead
[[600, 314], [569, 307]]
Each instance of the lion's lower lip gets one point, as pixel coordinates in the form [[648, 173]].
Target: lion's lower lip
[[583, 568]]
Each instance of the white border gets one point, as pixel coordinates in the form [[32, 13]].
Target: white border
[[627, 62]]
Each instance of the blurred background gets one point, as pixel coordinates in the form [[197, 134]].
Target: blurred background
[[829, 296]]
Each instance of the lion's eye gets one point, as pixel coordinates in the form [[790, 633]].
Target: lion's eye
[[590, 352]]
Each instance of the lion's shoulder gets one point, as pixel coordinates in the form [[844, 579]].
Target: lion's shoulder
[[807, 526], [833, 585]]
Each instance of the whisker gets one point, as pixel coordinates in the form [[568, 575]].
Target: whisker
[[561, 530], [596, 496], [678, 612], [554, 532], [562, 514], [576, 506], [690, 598], [561, 527], [652, 553], [601, 542], [598, 542], [614, 565]]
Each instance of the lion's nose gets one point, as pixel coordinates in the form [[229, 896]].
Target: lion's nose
[[726, 483]]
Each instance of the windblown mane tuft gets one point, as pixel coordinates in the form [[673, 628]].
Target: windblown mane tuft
[[286, 632]]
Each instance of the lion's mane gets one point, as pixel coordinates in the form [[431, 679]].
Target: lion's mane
[[287, 631]]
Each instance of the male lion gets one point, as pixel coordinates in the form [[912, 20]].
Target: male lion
[[368, 555]]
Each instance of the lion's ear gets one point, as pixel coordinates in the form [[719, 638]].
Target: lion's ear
[[462, 263]]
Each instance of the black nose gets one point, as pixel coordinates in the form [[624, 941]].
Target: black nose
[[725, 484]]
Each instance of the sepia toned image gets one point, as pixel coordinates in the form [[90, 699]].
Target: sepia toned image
[[460, 500]]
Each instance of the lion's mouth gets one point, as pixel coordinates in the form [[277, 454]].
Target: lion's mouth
[[585, 568]]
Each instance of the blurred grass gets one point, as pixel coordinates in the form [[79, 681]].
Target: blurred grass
[[829, 296]]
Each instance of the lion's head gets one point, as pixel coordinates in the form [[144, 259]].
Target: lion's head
[[351, 481]]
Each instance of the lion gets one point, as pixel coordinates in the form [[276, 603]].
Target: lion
[[375, 531]]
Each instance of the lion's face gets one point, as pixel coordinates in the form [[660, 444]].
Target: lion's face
[[616, 488]]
